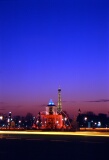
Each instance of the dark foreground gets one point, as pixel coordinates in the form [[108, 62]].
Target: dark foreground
[[54, 148]]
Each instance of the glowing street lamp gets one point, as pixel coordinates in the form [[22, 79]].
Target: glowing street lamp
[[85, 118], [1, 117], [65, 118]]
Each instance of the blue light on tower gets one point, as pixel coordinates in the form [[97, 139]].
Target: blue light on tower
[[51, 103]]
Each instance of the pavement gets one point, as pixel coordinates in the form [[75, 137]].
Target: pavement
[[36, 145]]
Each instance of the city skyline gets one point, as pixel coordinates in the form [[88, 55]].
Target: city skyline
[[46, 44]]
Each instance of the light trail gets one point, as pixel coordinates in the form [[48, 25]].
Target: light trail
[[100, 134]]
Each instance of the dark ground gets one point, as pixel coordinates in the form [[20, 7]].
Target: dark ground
[[54, 148]]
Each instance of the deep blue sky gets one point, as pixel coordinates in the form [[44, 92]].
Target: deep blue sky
[[47, 43]]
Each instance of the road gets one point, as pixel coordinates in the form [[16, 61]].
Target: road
[[54, 145]]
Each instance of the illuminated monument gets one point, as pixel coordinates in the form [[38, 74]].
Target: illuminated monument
[[53, 117], [59, 108]]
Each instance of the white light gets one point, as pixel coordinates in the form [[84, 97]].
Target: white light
[[99, 124], [57, 121], [1, 117], [65, 118], [85, 118], [8, 120]]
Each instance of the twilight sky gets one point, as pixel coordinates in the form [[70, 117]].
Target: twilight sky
[[45, 44]]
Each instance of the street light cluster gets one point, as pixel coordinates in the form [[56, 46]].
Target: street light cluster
[[32, 122], [92, 120]]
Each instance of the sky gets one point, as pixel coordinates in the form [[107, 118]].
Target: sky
[[50, 43]]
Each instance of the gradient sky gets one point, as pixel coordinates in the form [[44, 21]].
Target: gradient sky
[[45, 44]]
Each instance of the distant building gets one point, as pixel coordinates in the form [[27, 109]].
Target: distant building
[[51, 120], [53, 117]]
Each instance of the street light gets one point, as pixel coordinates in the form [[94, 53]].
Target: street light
[[1, 117], [85, 119]]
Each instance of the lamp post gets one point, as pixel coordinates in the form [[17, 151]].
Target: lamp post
[[85, 119]]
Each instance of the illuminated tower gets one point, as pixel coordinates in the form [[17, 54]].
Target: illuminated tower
[[59, 107], [51, 107]]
